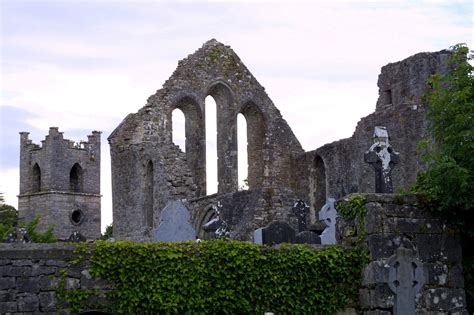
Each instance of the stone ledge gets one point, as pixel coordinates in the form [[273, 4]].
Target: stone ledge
[[57, 192], [37, 251]]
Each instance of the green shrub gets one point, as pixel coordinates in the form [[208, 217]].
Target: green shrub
[[226, 277]]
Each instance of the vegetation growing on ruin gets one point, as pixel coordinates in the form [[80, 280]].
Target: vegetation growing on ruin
[[353, 208], [224, 277], [449, 180]]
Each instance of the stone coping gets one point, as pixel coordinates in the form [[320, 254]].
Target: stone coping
[[61, 251], [57, 192]]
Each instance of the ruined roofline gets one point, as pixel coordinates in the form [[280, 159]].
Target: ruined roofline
[[419, 55], [81, 145]]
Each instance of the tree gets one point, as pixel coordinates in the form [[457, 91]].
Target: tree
[[449, 179]]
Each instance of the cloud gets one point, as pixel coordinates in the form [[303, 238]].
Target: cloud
[[85, 65]]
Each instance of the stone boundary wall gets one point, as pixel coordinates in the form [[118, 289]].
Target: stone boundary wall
[[396, 221], [31, 273]]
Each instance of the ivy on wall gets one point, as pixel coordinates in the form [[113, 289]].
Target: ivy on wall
[[226, 277]]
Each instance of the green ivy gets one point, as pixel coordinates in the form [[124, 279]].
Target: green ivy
[[226, 277], [353, 208]]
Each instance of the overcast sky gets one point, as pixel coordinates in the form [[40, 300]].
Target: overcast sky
[[84, 65]]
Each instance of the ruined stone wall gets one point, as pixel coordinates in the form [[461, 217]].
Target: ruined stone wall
[[147, 135], [60, 183], [393, 222], [338, 168], [245, 211]]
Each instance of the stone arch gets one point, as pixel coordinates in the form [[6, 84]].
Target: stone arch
[[256, 132], [76, 178], [148, 194], [209, 214], [318, 183], [226, 137], [195, 145], [36, 178]]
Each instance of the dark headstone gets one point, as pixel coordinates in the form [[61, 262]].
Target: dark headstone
[[308, 237], [76, 236], [383, 159], [278, 232], [301, 210], [175, 225]]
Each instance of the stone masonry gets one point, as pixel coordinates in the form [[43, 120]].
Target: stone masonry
[[148, 169], [60, 183], [393, 222]]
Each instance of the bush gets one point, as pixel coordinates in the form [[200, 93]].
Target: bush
[[226, 277]]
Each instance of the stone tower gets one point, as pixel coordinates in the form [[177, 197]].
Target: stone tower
[[60, 183]]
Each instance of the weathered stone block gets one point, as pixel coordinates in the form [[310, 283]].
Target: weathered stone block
[[384, 245], [22, 262], [443, 299], [27, 284], [28, 302], [377, 312], [455, 277], [375, 272], [379, 297], [37, 270], [7, 283], [437, 273], [48, 283], [436, 247], [47, 301], [72, 283], [7, 296], [7, 307]]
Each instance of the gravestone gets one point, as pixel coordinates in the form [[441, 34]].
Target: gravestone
[[328, 215], [76, 236], [301, 210], [175, 225], [405, 279], [383, 159], [276, 232], [308, 237]]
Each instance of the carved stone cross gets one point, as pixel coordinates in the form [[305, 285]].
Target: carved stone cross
[[328, 215], [405, 279], [301, 210], [383, 158]]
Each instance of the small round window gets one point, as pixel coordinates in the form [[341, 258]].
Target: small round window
[[77, 216]]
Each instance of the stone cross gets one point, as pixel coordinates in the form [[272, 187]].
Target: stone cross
[[301, 210], [328, 215], [405, 279], [383, 158]]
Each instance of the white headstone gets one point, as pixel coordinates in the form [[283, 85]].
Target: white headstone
[[328, 215]]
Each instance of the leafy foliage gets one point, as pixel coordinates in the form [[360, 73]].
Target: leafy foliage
[[8, 220], [226, 277], [109, 232], [449, 180], [39, 237]]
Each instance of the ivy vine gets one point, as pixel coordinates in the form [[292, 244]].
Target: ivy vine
[[224, 277]]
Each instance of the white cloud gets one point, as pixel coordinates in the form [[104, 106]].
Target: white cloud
[[319, 61]]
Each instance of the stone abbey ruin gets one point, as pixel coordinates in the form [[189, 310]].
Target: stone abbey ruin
[[149, 170], [159, 191]]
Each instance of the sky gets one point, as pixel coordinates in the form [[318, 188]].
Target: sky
[[85, 65]]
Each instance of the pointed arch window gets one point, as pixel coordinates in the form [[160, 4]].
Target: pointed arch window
[[76, 178], [36, 178]]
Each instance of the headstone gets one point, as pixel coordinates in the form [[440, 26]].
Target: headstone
[[383, 159], [308, 237], [301, 210], [258, 236], [19, 235], [278, 232], [175, 225], [76, 236], [405, 279], [328, 215]]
